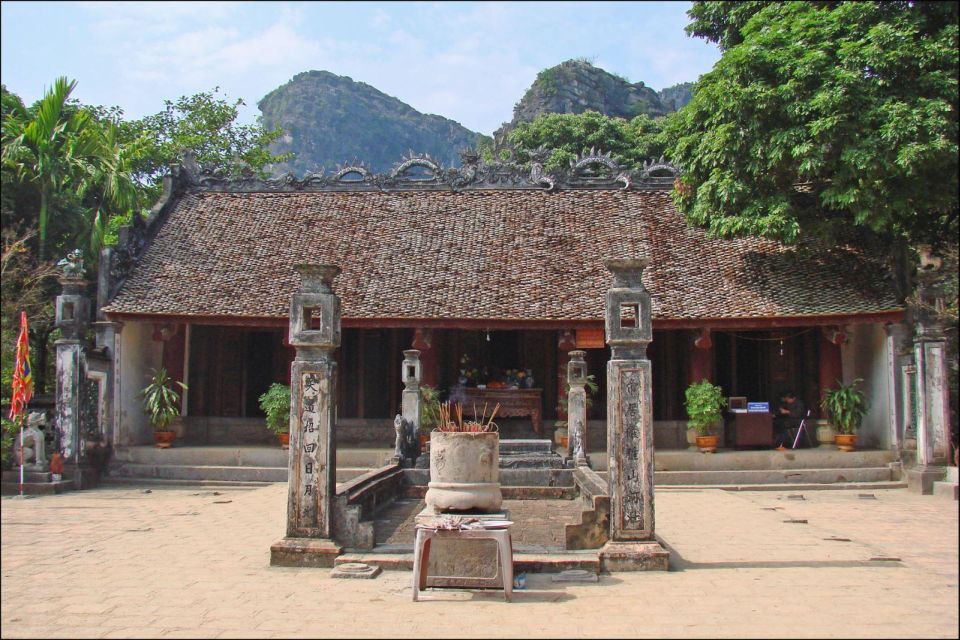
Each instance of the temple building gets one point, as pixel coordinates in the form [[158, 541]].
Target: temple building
[[495, 273]]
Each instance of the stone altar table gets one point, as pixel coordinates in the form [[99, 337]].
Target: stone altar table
[[513, 403], [501, 578]]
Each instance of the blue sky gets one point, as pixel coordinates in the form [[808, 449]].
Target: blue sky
[[467, 61]]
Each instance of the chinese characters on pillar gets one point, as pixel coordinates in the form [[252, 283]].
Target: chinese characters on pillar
[[631, 442], [310, 446]]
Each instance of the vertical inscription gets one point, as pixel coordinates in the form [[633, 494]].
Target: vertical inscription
[[631, 464], [310, 509]]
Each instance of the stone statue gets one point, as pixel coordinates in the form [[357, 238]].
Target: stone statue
[[72, 265], [407, 443], [34, 455]]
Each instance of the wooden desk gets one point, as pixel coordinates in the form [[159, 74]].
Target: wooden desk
[[752, 429], [513, 403]]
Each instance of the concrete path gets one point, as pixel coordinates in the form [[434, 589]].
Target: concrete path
[[170, 563]]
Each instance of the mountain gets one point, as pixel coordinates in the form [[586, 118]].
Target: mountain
[[576, 86], [329, 120], [676, 97]]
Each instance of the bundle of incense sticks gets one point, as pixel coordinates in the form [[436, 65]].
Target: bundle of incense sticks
[[451, 419]]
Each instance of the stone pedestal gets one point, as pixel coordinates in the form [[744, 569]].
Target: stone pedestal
[[463, 563], [630, 423], [312, 471], [920, 479], [577, 408]]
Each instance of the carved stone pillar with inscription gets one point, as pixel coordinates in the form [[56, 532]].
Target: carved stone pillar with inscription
[[315, 333], [577, 408], [632, 545]]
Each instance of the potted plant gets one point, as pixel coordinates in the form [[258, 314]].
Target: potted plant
[[846, 406], [161, 403], [704, 404], [275, 403], [464, 462], [429, 413]]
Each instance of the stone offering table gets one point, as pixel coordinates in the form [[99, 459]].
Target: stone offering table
[[513, 403], [428, 534]]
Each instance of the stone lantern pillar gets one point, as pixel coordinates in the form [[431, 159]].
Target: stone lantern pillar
[[312, 463], [72, 319], [632, 545], [577, 408], [411, 373], [932, 393]]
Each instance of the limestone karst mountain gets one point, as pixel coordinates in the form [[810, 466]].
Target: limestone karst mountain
[[329, 120]]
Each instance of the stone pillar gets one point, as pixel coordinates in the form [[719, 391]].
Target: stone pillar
[[566, 341], [632, 544], [312, 463], [897, 410], [932, 393], [577, 409], [72, 318], [700, 357], [410, 373], [423, 341]]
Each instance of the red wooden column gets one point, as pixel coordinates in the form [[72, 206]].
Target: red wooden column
[[700, 356], [566, 342], [173, 338], [423, 341], [831, 364]]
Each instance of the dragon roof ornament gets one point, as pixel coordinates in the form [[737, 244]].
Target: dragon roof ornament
[[592, 169]]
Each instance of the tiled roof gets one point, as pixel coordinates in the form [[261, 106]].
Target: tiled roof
[[484, 255]]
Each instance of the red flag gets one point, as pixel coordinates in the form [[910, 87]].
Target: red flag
[[22, 376]]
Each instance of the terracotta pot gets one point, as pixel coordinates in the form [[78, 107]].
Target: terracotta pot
[[284, 439], [464, 472], [164, 439], [424, 439], [846, 441], [564, 442], [708, 444]]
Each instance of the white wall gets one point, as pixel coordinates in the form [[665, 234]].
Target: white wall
[[137, 354], [865, 356]]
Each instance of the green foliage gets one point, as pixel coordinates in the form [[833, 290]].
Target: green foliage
[[49, 146], [160, 401], [704, 403], [855, 101], [8, 430], [205, 125], [591, 387], [846, 407], [567, 134], [429, 408], [275, 403]]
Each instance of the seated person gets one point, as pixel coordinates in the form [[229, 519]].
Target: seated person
[[788, 416]]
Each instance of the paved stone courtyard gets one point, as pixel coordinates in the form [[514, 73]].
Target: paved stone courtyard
[[120, 562]]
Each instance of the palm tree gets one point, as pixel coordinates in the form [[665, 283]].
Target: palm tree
[[49, 145], [111, 180]]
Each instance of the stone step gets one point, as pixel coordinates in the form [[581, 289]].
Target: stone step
[[728, 460], [36, 488], [522, 562], [242, 456], [773, 476], [837, 486], [229, 473], [28, 476]]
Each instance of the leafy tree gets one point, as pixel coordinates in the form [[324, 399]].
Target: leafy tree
[[821, 117], [205, 125], [567, 135], [48, 146]]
